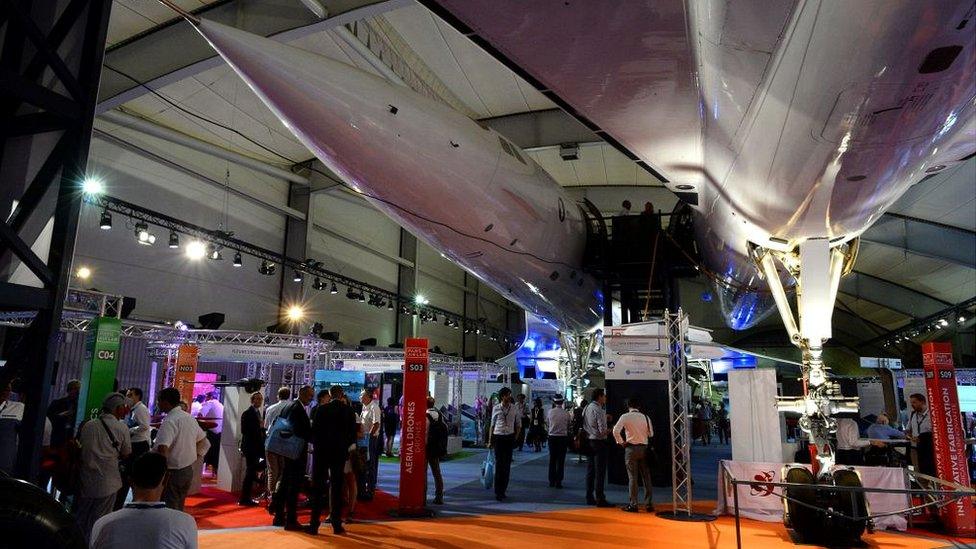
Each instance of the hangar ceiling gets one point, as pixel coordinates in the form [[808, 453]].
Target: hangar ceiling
[[918, 260]]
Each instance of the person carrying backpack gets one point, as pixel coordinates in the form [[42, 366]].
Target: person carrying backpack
[[436, 447]]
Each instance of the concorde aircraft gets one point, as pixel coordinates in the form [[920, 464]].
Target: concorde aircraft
[[789, 126]]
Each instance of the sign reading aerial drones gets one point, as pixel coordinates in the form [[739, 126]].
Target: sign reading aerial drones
[[413, 434]]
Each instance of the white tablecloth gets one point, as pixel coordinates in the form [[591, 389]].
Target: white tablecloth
[[757, 501]]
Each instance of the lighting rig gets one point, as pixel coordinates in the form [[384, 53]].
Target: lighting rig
[[956, 315], [209, 244]]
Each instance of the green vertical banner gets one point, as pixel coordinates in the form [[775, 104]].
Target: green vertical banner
[[100, 365]]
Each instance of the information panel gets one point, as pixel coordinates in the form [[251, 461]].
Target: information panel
[[947, 433], [413, 434]]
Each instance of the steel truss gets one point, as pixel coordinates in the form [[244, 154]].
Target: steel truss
[[221, 240], [50, 62], [675, 326]]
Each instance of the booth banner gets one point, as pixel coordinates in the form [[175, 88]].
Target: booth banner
[[231, 352], [759, 500], [366, 365], [413, 434], [187, 359], [352, 383], [636, 357], [99, 367], [948, 435]]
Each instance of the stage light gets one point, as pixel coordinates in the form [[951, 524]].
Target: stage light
[[943, 322], [421, 300], [238, 260], [195, 250], [174, 240], [83, 273], [106, 221], [333, 290], [216, 255], [447, 322], [362, 297], [295, 313], [962, 319], [266, 268], [92, 186], [298, 276], [317, 284], [143, 236], [389, 306], [350, 293]]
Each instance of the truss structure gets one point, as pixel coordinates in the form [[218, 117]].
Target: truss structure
[[675, 326]]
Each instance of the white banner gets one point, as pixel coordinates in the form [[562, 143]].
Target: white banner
[[636, 357], [759, 500], [553, 386], [364, 365], [231, 352]]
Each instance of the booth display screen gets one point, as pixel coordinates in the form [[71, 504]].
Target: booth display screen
[[203, 383], [351, 382], [967, 398]]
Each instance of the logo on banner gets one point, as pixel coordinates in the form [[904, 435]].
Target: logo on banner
[[415, 353], [762, 490]]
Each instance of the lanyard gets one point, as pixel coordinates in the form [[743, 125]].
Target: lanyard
[[919, 419]]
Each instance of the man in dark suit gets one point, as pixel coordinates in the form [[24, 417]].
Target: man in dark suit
[[286, 498], [252, 446], [333, 431]]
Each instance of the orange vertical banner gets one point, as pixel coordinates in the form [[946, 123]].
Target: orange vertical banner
[[186, 370], [948, 436]]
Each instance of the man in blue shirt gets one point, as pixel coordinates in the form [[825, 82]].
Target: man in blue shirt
[[881, 430]]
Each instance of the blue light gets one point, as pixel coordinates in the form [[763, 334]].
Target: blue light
[[529, 344]]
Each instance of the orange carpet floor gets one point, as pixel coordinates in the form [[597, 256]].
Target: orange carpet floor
[[216, 509], [587, 527]]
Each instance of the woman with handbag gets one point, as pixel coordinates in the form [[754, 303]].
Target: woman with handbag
[[637, 429]]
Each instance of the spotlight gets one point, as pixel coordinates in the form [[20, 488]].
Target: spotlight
[[447, 322], [317, 284], [389, 306], [333, 290], [106, 222], [174, 240], [295, 313], [83, 273], [143, 236], [362, 297], [92, 186], [195, 250], [238, 260], [962, 319], [298, 276], [266, 268], [421, 300], [216, 255]]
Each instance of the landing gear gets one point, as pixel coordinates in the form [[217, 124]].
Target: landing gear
[[578, 348], [817, 269]]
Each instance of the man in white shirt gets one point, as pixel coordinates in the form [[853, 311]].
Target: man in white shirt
[[505, 425], [624, 209], [138, 423], [372, 416], [276, 462], [182, 441], [595, 425], [104, 444], [637, 433], [849, 442], [146, 522], [558, 421], [920, 433]]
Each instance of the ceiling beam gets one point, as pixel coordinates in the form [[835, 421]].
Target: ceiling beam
[[924, 238], [893, 296], [173, 51]]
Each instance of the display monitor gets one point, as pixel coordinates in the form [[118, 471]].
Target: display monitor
[[967, 398]]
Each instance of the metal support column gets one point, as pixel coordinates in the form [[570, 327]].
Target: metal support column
[[50, 63], [676, 326]]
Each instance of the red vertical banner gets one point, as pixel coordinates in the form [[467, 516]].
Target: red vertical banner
[[948, 436], [413, 434]]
